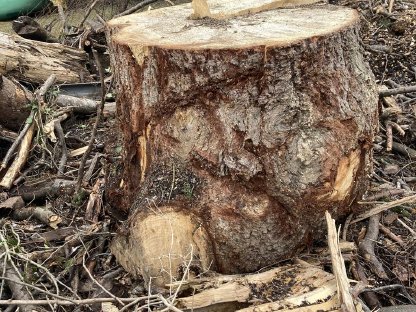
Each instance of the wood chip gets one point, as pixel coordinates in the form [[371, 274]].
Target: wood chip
[[78, 152]]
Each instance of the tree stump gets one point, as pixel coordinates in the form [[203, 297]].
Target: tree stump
[[239, 133]]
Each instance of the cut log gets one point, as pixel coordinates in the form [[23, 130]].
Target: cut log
[[35, 61], [239, 133], [14, 103]]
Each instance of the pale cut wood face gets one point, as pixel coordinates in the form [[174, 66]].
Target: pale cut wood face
[[173, 28]]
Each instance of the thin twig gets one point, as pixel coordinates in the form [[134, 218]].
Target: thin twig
[[97, 283], [37, 289], [384, 207], [407, 227], [168, 304], [91, 7], [135, 8], [70, 302], [97, 121], [48, 273]]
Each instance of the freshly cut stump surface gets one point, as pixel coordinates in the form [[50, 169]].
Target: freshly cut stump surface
[[239, 134]]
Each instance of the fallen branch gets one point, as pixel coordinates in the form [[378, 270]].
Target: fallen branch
[[407, 227], [62, 143], [78, 105], [384, 207], [400, 90], [404, 150], [43, 214], [385, 193], [369, 297], [393, 236], [93, 210], [366, 247]]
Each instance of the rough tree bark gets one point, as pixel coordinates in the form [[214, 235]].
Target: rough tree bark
[[35, 61], [239, 134]]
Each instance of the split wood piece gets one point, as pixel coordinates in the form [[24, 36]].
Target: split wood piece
[[344, 247], [43, 214], [35, 61], [244, 129], [94, 206], [18, 140], [338, 267], [78, 152], [20, 158], [233, 8], [295, 287], [49, 127], [384, 207], [366, 247], [14, 103]]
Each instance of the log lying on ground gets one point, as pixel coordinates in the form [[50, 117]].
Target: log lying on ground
[[35, 61], [83, 105], [238, 134], [14, 103]]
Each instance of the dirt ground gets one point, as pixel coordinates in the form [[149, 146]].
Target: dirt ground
[[389, 45]]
